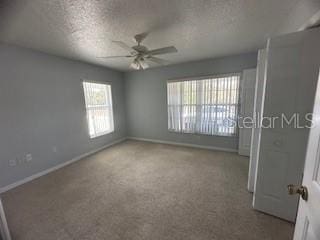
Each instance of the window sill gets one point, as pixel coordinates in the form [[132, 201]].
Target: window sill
[[203, 134], [101, 134]]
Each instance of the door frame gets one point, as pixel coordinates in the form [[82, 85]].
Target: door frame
[[4, 229]]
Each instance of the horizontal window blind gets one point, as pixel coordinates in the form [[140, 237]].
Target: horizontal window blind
[[206, 106], [99, 110]]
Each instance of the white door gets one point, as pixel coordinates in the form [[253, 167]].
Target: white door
[[308, 220], [4, 230], [248, 83], [256, 130], [291, 79]]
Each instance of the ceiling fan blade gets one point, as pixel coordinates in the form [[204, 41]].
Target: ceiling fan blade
[[157, 60], [124, 46], [140, 37], [164, 50], [126, 56]]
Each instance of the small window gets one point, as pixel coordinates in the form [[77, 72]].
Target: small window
[[204, 106], [98, 101]]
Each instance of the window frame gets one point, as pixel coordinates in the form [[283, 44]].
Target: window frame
[[205, 77], [108, 83]]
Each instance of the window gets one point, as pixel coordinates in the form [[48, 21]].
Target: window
[[205, 106], [99, 108]]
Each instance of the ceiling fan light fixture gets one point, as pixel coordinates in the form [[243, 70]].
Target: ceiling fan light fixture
[[143, 64], [135, 65]]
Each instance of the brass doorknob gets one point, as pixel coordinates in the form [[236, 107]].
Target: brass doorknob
[[301, 190]]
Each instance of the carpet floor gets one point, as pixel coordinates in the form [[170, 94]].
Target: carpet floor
[[143, 191]]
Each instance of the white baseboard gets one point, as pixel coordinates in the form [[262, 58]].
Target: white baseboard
[[61, 165], [185, 144]]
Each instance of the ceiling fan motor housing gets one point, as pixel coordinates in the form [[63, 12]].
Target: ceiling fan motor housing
[[140, 49]]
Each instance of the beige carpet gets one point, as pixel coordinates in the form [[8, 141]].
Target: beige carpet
[[138, 190]]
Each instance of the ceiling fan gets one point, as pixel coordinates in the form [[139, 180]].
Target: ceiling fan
[[141, 54]]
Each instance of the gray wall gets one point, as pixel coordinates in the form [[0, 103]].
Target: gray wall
[[42, 106], [146, 99]]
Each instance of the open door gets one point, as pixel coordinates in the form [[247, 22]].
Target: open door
[[308, 220], [292, 69]]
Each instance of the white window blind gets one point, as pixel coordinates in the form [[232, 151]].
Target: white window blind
[[206, 106], [98, 101]]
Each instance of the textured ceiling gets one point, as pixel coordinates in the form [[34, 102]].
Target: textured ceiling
[[83, 29]]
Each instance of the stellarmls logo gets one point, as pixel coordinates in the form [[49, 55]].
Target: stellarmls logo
[[295, 120]]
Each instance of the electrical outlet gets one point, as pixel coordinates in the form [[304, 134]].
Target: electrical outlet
[[28, 157], [13, 162]]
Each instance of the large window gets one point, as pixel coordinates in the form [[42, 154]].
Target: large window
[[205, 106], [99, 108]]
